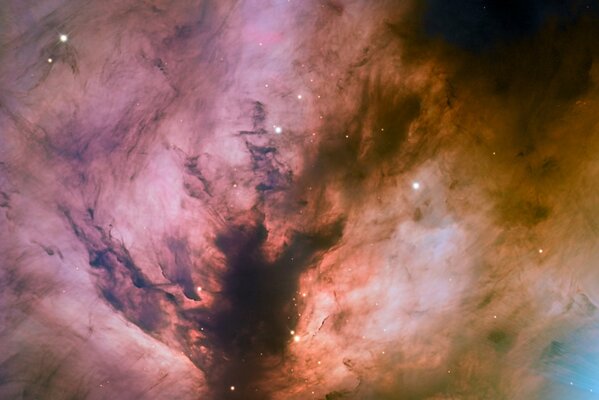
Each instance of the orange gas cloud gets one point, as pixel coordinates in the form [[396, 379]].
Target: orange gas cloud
[[299, 200]]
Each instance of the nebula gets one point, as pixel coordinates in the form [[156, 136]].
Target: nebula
[[299, 199]]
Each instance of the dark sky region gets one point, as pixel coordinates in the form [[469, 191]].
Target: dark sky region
[[299, 199]]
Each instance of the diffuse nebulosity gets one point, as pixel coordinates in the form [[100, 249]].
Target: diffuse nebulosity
[[292, 200]]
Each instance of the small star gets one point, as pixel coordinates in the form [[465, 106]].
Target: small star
[[232, 388], [415, 185], [50, 60], [278, 129], [63, 38]]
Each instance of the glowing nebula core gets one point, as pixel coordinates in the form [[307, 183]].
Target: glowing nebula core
[[299, 199]]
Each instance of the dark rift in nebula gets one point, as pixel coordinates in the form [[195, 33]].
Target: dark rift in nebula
[[258, 314], [249, 327], [291, 200]]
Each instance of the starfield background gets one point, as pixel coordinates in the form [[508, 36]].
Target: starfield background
[[299, 199]]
